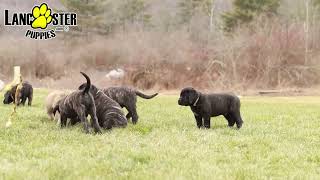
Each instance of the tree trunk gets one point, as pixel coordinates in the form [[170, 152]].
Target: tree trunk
[[306, 26]]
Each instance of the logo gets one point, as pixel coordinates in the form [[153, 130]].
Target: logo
[[42, 16], [43, 22]]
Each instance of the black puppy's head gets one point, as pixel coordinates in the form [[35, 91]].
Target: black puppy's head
[[8, 98], [93, 89], [188, 96]]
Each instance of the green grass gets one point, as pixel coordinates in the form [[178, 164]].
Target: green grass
[[280, 138]]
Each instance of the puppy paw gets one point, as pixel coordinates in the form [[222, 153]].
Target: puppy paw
[[239, 125], [98, 131]]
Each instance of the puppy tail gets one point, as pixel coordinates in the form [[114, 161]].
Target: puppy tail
[[140, 94], [88, 85]]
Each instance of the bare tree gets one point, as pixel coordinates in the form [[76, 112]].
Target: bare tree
[[306, 29]]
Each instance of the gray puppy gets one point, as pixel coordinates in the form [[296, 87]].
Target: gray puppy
[[109, 112], [78, 105], [205, 106], [127, 97]]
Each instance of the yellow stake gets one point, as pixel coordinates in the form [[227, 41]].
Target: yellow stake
[[16, 101]]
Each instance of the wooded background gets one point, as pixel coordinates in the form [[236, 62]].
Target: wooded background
[[168, 44]]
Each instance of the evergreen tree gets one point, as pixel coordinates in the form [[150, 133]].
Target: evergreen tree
[[133, 11], [89, 14], [188, 8], [102, 16], [244, 11]]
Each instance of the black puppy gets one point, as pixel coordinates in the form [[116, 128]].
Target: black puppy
[[109, 112], [26, 92], [205, 106], [78, 105], [127, 97]]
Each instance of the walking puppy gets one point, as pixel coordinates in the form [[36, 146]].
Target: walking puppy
[[205, 106], [127, 97], [26, 92], [109, 112], [78, 105]]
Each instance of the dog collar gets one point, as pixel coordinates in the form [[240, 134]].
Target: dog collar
[[195, 103]]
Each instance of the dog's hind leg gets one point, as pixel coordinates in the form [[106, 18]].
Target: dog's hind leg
[[30, 97], [23, 101], [94, 120], [231, 120], [82, 116], [84, 121]]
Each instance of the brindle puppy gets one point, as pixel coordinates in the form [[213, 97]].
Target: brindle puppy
[[78, 105], [26, 92], [109, 112], [127, 97], [205, 106]]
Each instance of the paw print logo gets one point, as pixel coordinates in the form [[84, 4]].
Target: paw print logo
[[42, 16]]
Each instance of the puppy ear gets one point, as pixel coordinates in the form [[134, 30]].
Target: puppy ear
[[193, 95]]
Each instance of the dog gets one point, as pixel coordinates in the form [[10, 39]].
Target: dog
[[79, 104], [205, 106], [26, 92], [127, 97], [52, 100], [109, 112]]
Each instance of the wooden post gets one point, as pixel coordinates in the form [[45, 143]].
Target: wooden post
[[16, 75], [16, 78], [16, 100]]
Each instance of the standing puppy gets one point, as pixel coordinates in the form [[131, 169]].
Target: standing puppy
[[127, 97], [78, 105], [205, 106], [26, 92]]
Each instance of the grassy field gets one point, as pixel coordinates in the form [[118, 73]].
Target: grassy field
[[280, 138]]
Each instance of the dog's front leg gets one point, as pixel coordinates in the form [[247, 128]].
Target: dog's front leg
[[206, 121], [63, 120], [199, 120]]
